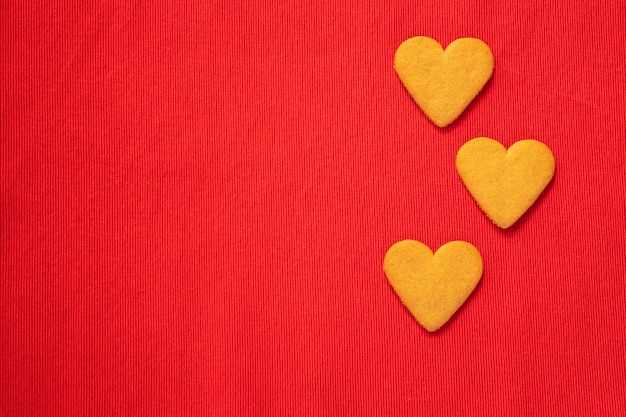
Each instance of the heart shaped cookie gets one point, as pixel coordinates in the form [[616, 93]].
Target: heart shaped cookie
[[505, 183], [443, 83], [433, 287]]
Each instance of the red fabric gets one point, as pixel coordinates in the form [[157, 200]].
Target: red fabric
[[196, 198]]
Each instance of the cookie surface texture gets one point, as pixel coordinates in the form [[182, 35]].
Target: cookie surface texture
[[505, 183], [433, 286], [443, 82]]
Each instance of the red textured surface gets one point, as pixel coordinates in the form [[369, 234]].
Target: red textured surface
[[196, 198]]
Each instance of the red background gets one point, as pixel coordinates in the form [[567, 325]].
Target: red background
[[196, 198]]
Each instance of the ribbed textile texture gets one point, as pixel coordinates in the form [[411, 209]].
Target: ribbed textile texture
[[196, 198]]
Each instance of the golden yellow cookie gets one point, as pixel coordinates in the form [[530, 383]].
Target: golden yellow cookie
[[505, 183], [442, 82], [433, 287]]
